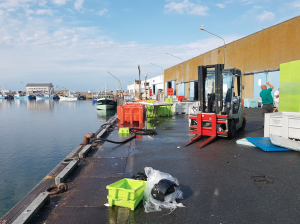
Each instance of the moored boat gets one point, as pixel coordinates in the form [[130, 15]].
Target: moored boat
[[20, 96], [81, 97], [106, 101], [10, 97], [39, 97], [3, 96], [69, 97]]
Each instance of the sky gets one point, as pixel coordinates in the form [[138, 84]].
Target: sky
[[74, 43]]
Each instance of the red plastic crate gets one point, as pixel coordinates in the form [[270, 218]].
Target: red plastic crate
[[130, 113], [170, 91], [180, 98]]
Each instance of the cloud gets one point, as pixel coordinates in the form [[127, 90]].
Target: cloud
[[42, 3], [60, 2], [266, 16], [186, 7], [221, 6], [44, 47], [78, 4], [102, 12], [44, 12], [40, 12], [295, 4]]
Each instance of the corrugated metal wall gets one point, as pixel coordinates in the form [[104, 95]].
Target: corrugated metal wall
[[263, 50]]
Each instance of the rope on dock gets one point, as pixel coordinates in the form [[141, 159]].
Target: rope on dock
[[56, 189]]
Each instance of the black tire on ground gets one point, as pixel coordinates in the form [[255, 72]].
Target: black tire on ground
[[232, 129], [244, 124]]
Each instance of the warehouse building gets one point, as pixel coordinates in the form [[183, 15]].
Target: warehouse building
[[258, 56], [43, 87], [156, 84]]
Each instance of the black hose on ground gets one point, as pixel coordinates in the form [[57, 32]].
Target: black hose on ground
[[107, 140], [138, 131], [134, 131]]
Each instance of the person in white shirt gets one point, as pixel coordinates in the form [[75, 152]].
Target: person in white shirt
[[276, 100]]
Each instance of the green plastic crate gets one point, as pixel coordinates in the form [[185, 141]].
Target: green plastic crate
[[289, 87], [123, 130], [150, 109], [126, 193]]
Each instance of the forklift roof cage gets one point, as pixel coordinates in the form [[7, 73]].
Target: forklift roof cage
[[217, 97]]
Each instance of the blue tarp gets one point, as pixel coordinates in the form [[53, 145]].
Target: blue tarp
[[265, 144]]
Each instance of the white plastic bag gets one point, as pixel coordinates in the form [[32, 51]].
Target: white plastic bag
[[153, 205]]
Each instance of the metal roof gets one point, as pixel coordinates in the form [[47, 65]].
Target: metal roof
[[39, 84]]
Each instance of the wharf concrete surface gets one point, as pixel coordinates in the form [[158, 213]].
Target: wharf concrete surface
[[221, 183]]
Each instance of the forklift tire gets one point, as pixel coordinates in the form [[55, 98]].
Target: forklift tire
[[232, 129], [244, 124]]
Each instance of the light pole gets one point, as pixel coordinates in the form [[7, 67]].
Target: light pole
[[181, 63], [146, 71], [160, 67], [202, 28]]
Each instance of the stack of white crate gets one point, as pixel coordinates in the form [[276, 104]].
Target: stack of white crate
[[283, 124], [184, 107]]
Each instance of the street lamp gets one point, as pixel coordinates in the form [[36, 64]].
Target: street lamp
[[146, 71], [181, 63], [160, 67], [202, 28]]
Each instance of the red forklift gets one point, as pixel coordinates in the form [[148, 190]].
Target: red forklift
[[221, 111]]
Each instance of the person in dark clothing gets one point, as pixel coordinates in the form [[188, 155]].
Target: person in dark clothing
[[267, 100]]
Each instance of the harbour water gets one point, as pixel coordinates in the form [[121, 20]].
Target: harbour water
[[36, 135]]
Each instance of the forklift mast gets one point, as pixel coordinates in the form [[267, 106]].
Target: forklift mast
[[216, 99]]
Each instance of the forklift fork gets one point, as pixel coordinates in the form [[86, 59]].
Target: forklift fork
[[207, 141], [194, 139]]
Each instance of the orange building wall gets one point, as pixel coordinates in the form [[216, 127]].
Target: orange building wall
[[263, 50]]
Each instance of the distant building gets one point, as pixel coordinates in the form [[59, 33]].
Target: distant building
[[5, 91], [33, 87], [155, 83]]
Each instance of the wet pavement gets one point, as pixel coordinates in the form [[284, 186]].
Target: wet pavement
[[221, 183]]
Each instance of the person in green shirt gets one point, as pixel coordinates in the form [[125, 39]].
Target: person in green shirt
[[267, 100]]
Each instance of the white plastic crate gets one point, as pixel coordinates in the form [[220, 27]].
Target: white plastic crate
[[177, 108], [284, 124], [184, 107], [251, 102]]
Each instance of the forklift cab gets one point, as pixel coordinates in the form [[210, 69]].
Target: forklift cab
[[229, 102]]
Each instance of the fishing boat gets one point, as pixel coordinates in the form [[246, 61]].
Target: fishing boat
[[3, 96], [39, 97], [68, 97], [81, 97], [94, 97], [10, 97], [50, 97], [56, 97], [21, 96], [106, 101]]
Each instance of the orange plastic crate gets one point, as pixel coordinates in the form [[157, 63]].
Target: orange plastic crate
[[130, 113], [170, 91]]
